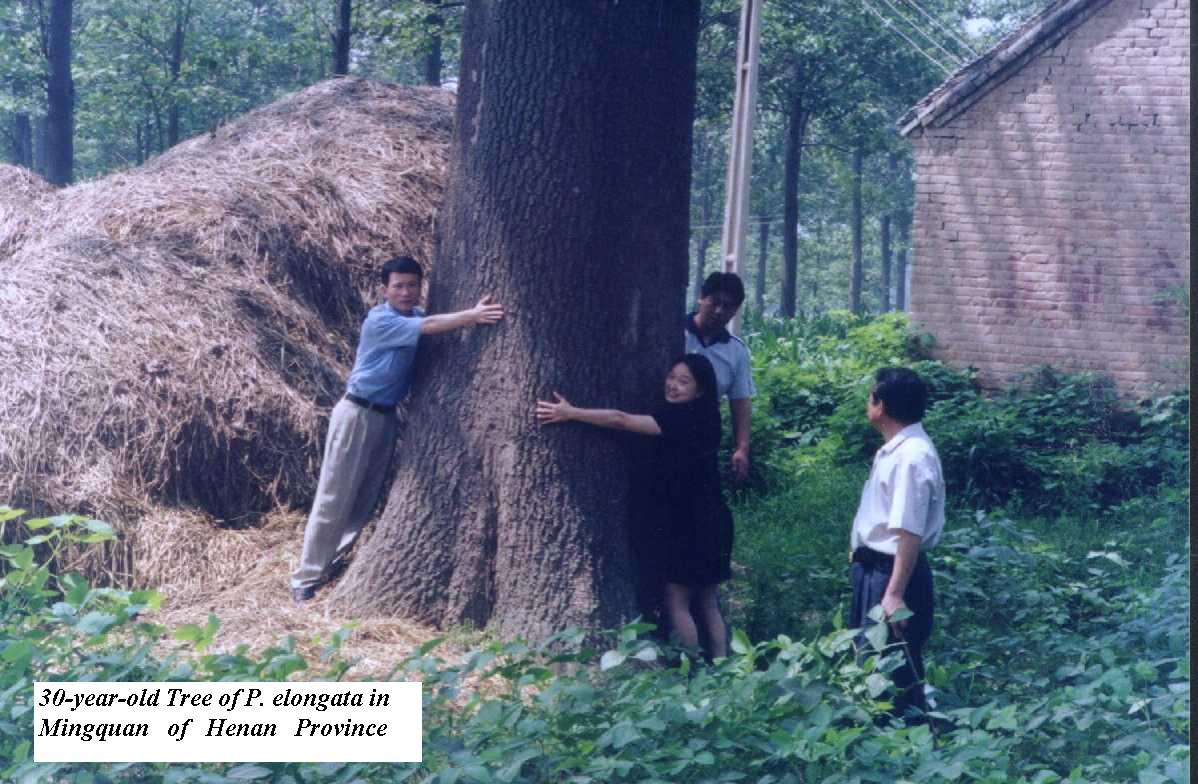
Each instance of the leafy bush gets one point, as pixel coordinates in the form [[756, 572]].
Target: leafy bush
[[1046, 666], [1056, 441]]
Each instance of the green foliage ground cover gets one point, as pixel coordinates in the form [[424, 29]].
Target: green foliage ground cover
[[1060, 654]]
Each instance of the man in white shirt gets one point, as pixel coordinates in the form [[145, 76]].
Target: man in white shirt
[[706, 333], [900, 518]]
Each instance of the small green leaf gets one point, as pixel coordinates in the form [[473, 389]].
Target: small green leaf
[[95, 623], [877, 683], [611, 659], [424, 649], [877, 635], [249, 772], [740, 642]]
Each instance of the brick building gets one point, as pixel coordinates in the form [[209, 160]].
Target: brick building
[[1052, 206]]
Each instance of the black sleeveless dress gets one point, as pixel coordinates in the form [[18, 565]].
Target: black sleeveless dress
[[685, 499]]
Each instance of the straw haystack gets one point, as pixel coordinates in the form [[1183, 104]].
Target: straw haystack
[[20, 192], [173, 337]]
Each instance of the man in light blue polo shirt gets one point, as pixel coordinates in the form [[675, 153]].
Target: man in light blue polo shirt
[[362, 426], [707, 334]]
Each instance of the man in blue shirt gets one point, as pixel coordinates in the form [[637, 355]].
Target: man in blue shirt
[[362, 426]]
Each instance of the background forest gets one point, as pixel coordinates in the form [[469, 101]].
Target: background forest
[[834, 78]]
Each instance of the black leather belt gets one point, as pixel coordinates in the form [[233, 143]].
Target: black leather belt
[[364, 403], [864, 555]]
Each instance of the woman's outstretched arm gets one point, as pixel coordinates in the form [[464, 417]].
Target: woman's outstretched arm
[[561, 411]]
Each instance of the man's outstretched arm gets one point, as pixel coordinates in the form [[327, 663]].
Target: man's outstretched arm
[[487, 311]]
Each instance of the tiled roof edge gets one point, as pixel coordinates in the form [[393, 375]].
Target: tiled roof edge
[[1004, 59]]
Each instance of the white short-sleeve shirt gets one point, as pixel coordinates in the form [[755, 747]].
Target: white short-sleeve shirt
[[729, 357], [905, 490]]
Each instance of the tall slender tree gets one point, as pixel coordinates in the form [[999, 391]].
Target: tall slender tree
[[181, 23], [341, 40], [763, 255], [434, 25], [60, 95], [703, 169], [857, 268], [568, 201]]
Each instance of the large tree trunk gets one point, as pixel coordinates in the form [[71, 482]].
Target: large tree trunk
[[568, 200], [795, 131], [433, 24], [855, 271], [900, 273], [60, 94], [345, 9], [763, 249]]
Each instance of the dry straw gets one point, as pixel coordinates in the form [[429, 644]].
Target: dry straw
[[172, 337]]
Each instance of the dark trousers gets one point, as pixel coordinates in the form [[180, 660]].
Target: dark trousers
[[870, 576]]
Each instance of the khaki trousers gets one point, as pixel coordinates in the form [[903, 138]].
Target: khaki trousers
[[357, 452]]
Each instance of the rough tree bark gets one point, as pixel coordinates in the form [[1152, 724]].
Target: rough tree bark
[[345, 10], [60, 95], [568, 201], [763, 246], [796, 129], [856, 268]]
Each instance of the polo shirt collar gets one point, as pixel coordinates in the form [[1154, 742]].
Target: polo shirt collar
[[910, 431], [723, 336]]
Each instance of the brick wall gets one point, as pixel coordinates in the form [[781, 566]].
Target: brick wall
[[1052, 216]]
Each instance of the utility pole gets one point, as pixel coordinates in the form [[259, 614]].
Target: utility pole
[[740, 158]]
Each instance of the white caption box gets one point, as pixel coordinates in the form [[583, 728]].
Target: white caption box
[[226, 722]]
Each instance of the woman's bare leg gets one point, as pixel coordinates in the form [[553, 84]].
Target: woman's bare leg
[[678, 605], [709, 608]]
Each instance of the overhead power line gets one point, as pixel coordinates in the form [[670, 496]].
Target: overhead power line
[[953, 57], [946, 28], [890, 26]]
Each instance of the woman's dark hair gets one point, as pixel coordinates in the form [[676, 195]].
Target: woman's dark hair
[[901, 392], [405, 265]]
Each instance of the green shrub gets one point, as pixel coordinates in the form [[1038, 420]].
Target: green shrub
[[792, 548]]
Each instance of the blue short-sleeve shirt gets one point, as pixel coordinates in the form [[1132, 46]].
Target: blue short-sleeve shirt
[[382, 370], [729, 358]]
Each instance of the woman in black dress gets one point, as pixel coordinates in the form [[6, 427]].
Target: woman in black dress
[[696, 553]]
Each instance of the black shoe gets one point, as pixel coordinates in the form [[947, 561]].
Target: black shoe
[[336, 570], [303, 594]]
